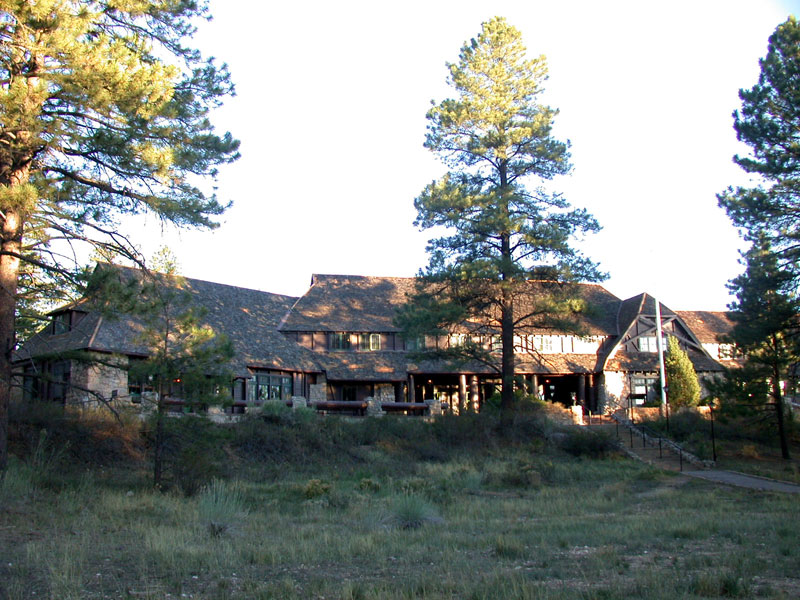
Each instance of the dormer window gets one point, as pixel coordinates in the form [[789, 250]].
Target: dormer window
[[64, 321], [61, 323]]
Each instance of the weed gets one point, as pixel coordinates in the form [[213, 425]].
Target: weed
[[508, 547], [314, 488], [369, 485], [220, 506], [410, 512]]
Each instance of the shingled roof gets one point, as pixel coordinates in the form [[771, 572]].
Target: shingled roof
[[707, 325], [248, 317], [359, 303], [349, 303]]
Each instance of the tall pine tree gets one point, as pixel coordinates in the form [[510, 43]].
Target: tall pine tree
[[766, 316], [769, 122], [103, 113], [495, 136]]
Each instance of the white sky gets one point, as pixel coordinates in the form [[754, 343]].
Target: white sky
[[330, 110]]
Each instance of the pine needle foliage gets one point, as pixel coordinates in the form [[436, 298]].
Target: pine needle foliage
[[104, 112], [502, 226]]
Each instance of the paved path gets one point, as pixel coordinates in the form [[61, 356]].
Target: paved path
[[745, 481], [666, 458]]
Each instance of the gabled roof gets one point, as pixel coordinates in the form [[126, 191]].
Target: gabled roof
[[349, 303], [358, 303], [643, 306], [248, 317]]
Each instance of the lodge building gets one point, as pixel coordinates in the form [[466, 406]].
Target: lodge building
[[338, 343]]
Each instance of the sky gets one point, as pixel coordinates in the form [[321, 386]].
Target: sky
[[330, 110]]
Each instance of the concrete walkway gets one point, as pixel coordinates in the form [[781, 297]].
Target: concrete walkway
[[745, 481], [665, 457]]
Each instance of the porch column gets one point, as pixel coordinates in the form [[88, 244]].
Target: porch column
[[398, 391], [298, 389], [592, 393], [535, 385], [410, 388], [462, 393], [474, 393], [581, 390]]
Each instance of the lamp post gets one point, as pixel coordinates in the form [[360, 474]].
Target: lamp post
[[660, 348], [713, 439]]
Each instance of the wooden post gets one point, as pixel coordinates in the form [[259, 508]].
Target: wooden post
[[535, 385], [411, 388], [462, 393], [474, 393]]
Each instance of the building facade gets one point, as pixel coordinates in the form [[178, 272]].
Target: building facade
[[338, 344]]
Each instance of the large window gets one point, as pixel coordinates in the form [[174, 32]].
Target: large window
[[272, 387], [644, 388]]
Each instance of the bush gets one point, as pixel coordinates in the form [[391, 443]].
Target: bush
[[516, 474], [315, 488], [587, 443]]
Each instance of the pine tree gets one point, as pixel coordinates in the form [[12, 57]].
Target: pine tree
[[496, 137], [766, 316], [187, 360], [682, 385], [103, 113], [769, 122]]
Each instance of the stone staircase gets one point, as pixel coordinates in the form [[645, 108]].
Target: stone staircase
[[650, 449]]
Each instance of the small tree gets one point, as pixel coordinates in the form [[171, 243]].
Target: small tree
[[187, 360], [682, 385], [495, 137], [766, 316]]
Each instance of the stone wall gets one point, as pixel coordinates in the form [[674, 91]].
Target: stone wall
[[384, 392], [93, 382], [317, 392]]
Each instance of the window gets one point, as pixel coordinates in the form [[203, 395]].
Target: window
[[59, 381], [340, 341], [415, 344], [369, 341], [497, 343], [457, 339], [643, 388], [650, 343], [725, 351], [60, 323], [273, 387], [543, 343]]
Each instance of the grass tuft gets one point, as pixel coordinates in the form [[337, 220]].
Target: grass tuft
[[408, 511], [220, 506]]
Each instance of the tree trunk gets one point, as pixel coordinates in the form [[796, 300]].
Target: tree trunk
[[9, 273], [777, 396], [158, 445], [507, 337]]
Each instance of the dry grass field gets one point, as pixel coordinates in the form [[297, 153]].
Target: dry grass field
[[291, 505]]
